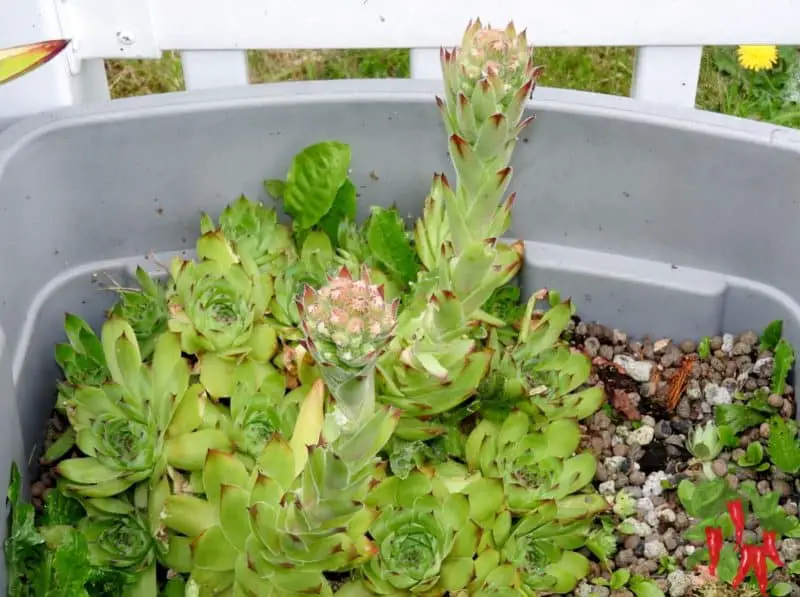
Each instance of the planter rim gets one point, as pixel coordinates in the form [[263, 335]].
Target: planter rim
[[23, 130]]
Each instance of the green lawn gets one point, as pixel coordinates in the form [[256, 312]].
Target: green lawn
[[724, 87]]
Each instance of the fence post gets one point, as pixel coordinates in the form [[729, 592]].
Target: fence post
[[667, 74]]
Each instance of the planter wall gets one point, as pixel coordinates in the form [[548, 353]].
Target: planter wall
[[658, 221]]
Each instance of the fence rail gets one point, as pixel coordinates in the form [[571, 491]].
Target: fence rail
[[213, 36]]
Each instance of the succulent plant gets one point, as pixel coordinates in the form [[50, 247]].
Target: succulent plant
[[326, 407], [217, 306], [424, 537], [254, 230], [705, 444], [535, 466], [145, 308]]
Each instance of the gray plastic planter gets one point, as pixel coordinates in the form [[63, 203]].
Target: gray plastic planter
[[658, 221]]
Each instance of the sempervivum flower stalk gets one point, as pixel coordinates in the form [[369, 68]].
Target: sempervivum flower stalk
[[487, 84], [347, 324]]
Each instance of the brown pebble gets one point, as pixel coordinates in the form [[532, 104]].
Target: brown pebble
[[716, 343], [730, 369], [637, 478], [764, 430], [601, 474], [620, 450], [720, 467], [717, 364], [592, 346], [607, 352], [775, 401], [632, 542], [763, 487], [688, 347], [751, 385], [597, 445], [787, 409], [37, 489], [782, 487]]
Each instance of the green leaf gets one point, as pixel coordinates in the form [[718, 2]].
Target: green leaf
[[704, 348], [643, 587], [728, 563], [60, 509], [784, 359], [275, 187], [619, 578], [389, 243], [772, 335], [699, 555], [784, 448], [315, 177], [794, 567], [343, 209], [727, 437], [752, 456], [738, 417], [781, 589]]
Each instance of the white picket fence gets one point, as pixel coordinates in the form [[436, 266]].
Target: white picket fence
[[213, 36]]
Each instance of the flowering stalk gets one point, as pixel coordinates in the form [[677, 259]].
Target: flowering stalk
[[347, 325]]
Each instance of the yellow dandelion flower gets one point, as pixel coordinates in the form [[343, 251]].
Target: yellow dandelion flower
[[758, 57]]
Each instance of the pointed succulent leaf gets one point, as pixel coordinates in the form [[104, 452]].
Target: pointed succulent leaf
[[20, 60]]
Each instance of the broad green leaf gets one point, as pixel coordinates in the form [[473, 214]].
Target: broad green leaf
[[620, 578], [315, 177], [772, 335], [275, 187], [728, 563], [343, 209], [784, 447], [643, 587], [784, 359], [738, 417], [781, 589], [387, 239], [794, 567]]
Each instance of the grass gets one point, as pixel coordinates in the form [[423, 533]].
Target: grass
[[770, 96]]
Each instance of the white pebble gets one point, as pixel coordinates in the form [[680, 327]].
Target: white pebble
[[648, 420], [606, 488], [616, 440], [642, 529], [762, 363], [652, 486], [612, 463], [667, 515], [679, 583], [623, 432], [620, 337], [727, 343], [644, 505], [642, 436], [660, 345], [651, 518], [717, 395], [653, 550], [689, 549], [638, 370], [586, 590]]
